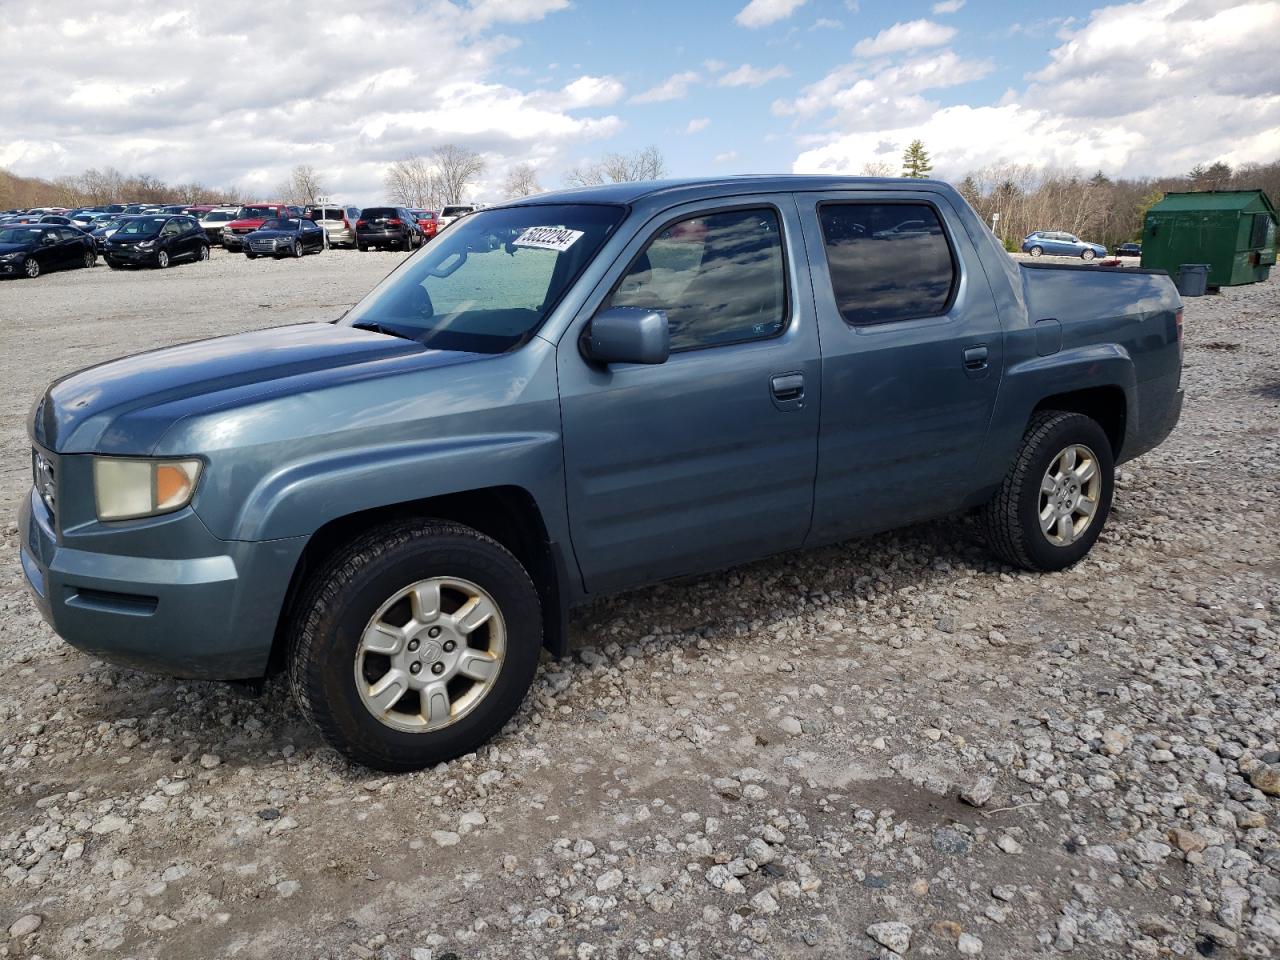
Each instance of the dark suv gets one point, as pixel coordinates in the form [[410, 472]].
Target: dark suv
[[389, 227], [156, 241]]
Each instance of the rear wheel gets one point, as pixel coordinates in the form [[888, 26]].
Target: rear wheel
[[1086, 254], [362, 247], [90, 258], [204, 252], [415, 644], [1055, 499], [1036, 251]]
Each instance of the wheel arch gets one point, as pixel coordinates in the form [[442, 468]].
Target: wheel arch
[[508, 514], [1106, 404]]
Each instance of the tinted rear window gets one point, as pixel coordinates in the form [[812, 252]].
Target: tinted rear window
[[257, 213], [328, 213], [888, 261], [455, 211], [373, 213]]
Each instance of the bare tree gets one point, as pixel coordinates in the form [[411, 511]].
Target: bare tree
[[303, 186], [456, 169], [522, 181], [645, 164], [878, 168], [412, 182]]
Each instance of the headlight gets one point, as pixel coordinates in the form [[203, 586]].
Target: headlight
[[146, 244], [10, 256], [125, 489]]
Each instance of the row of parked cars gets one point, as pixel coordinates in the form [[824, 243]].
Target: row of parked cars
[[37, 241], [1058, 243]]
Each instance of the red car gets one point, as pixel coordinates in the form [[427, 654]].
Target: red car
[[427, 220], [251, 217]]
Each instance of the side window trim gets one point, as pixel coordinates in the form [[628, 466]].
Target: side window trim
[[956, 264], [787, 303]]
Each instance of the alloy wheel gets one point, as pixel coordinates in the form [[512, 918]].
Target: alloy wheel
[[430, 654], [1070, 493], [31, 267]]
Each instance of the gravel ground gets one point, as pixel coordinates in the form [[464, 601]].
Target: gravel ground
[[889, 746]]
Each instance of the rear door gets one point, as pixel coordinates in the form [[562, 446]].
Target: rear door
[[912, 355], [708, 459]]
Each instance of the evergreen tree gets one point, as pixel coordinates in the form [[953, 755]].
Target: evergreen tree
[[915, 161]]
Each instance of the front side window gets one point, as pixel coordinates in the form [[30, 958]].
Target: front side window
[[487, 284], [888, 261], [718, 277]]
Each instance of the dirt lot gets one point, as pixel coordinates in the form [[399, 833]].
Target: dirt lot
[[764, 762]]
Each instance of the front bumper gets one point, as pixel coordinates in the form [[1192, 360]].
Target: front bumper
[[210, 615], [130, 255], [9, 268], [233, 241]]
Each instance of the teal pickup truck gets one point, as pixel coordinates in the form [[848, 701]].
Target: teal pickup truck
[[571, 395]]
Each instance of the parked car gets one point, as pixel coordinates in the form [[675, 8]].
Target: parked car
[[215, 221], [1129, 250], [452, 212], [577, 394], [30, 250], [289, 237], [156, 241], [338, 221], [428, 221], [388, 227], [249, 218], [104, 229], [1058, 244]]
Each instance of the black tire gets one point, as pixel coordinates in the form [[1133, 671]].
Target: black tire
[[250, 256], [31, 268], [1087, 254], [345, 593], [204, 252], [362, 247], [162, 259], [296, 249], [90, 258], [1036, 251], [112, 264], [1011, 519]]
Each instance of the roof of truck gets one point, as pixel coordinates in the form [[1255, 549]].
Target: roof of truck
[[696, 187]]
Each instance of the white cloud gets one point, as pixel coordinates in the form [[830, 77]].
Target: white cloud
[[697, 124], [761, 13], [749, 76], [232, 105], [714, 66], [911, 35], [947, 6], [675, 87], [727, 157], [826, 23], [1224, 65]]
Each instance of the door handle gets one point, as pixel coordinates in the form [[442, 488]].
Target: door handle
[[787, 386], [975, 358]]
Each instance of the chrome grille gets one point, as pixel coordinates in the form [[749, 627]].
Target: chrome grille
[[44, 477]]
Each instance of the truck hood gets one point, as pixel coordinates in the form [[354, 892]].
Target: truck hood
[[124, 406]]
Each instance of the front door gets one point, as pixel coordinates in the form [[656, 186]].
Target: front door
[[708, 459], [912, 355]]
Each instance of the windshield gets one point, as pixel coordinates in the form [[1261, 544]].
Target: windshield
[[280, 225], [141, 227], [489, 282], [18, 234], [256, 213]]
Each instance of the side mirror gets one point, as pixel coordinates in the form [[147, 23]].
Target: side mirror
[[628, 335]]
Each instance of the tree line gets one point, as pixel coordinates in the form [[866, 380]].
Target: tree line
[[1101, 208]]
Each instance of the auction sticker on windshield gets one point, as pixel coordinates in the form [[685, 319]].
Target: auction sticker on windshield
[[548, 238]]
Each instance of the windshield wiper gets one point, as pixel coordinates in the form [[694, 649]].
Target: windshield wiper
[[379, 328]]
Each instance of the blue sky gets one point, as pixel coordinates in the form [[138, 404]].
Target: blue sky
[[237, 92]]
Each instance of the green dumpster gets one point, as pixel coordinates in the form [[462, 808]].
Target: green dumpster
[[1233, 231]]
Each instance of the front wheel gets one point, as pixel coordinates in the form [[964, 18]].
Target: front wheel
[[415, 644], [1054, 501], [162, 259], [1086, 255], [1036, 251], [90, 258], [31, 268], [204, 252], [250, 256], [296, 249]]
